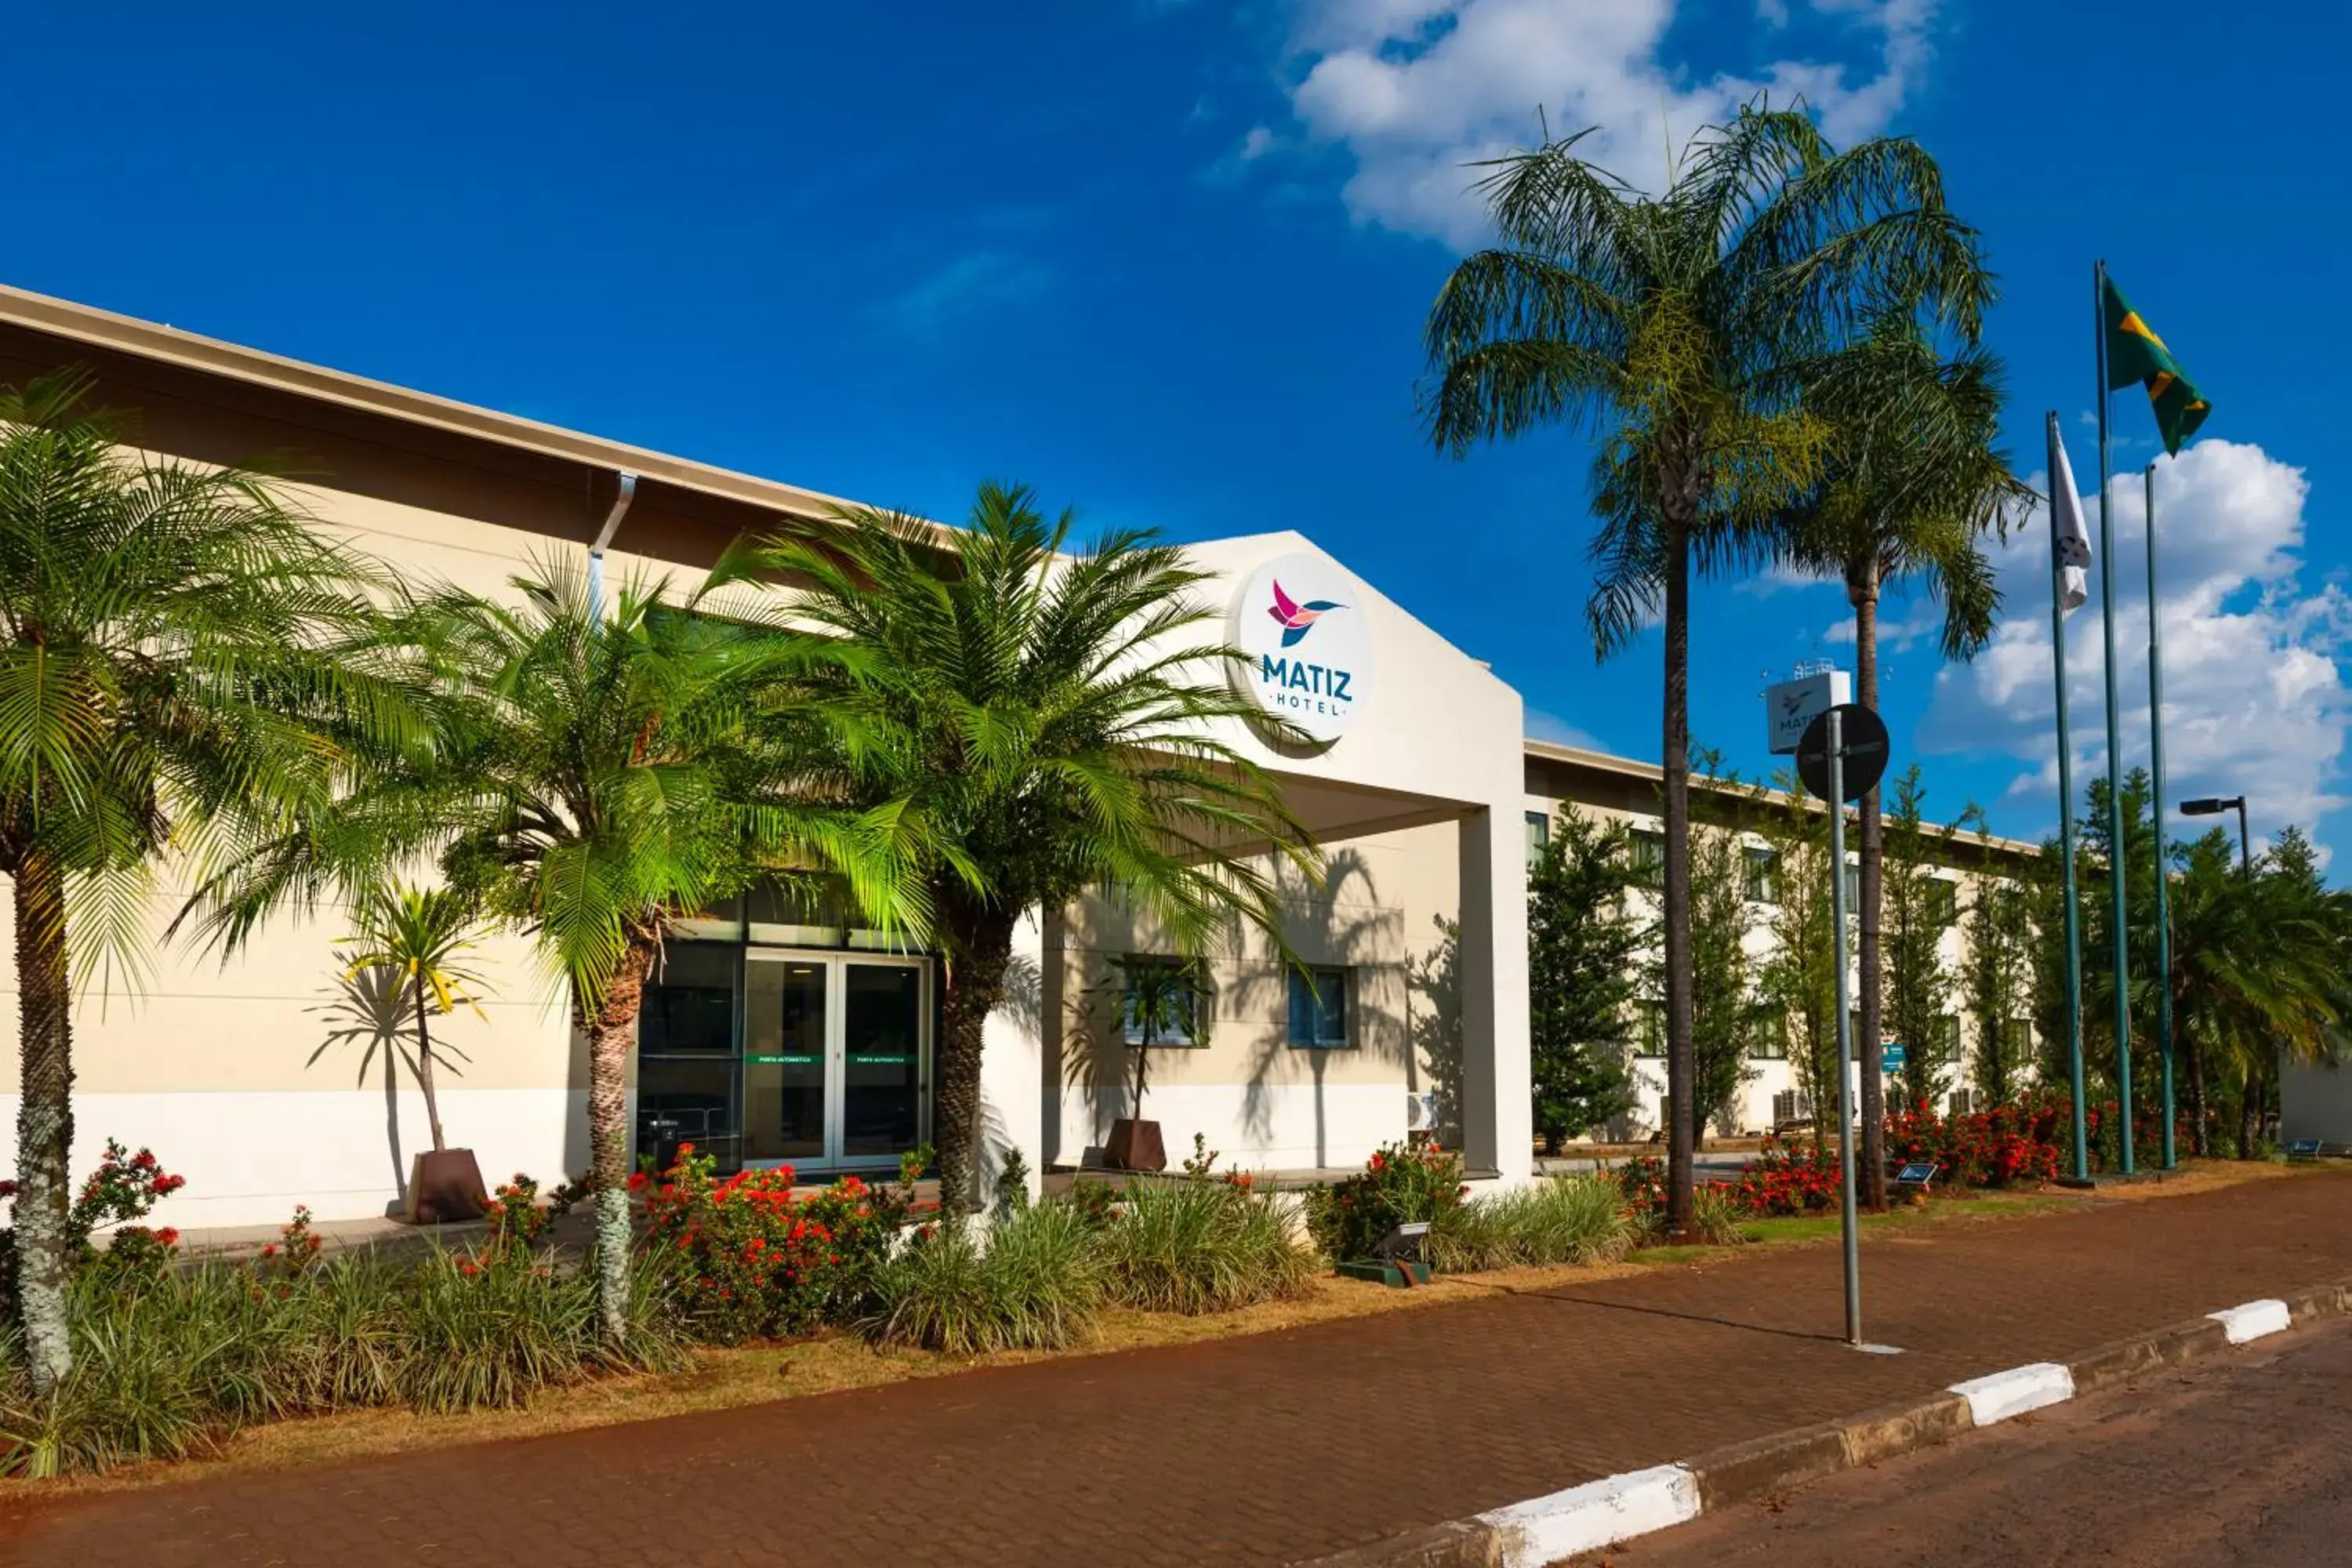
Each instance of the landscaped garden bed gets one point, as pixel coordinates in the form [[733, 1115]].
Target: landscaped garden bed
[[744, 1290]]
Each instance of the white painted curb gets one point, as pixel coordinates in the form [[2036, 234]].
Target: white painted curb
[[1618, 1508], [2252, 1321], [2003, 1395], [1546, 1529]]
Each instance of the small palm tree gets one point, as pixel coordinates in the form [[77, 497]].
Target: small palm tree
[[599, 772], [420, 937], [181, 672], [1052, 717], [1911, 480], [1666, 325], [1161, 1001]]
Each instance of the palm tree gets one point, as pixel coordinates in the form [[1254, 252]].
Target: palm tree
[[421, 937], [2259, 964], [1666, 325], [1053, 718], [1911, 478], [178, 674], [599, 773]]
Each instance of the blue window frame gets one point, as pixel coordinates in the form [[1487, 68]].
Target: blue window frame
[[1318, 1008]]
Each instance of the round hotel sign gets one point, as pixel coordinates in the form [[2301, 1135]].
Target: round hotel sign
[[1307, 640]]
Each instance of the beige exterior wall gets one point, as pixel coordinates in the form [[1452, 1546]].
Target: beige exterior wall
[[1376, 916], [1619, 790]]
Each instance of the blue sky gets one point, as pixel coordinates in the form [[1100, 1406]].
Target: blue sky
[[1168, 261]]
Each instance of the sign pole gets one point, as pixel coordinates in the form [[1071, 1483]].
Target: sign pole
[[2118, 915], [2072, 919], [1845, 1025], [2156, 807]]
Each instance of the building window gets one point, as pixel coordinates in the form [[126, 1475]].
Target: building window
[[1943, 903], [1947, 1040], [1770, 1042], [1763, 877], [1648, 1028], [1538, 835], [1318, 1008], [1161, 997], [1649, 850], [1853, 888]]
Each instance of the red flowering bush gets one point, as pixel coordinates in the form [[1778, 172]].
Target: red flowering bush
[[517, 1216], [1788, 1179], [751, 1259], [293, 1252], [2003, 1146], [1397, 1185], [123, 1190]]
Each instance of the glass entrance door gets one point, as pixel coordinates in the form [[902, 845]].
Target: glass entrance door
[[835, 1058]]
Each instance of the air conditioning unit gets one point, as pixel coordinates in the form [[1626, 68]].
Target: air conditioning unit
[[1791, 1105], [1962, 1103]]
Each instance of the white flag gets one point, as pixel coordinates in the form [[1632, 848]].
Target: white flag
[[2069, 541]]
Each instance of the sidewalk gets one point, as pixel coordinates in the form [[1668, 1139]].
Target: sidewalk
[[1266, 1449]]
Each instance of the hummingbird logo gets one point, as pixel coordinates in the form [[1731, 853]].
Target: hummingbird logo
[[1295, 618]]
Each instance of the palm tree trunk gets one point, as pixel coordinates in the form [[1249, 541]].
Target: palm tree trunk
[[424, 1069], [1862, 588], [612, 1032], [2249, 1112], [1682, 1068], [44, 1120], [981, 952]]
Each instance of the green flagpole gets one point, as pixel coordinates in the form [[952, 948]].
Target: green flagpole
[[2071, 919], [2156, 806], [2117, 918]]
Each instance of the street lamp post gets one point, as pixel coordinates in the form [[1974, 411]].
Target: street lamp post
[[2214, 805]]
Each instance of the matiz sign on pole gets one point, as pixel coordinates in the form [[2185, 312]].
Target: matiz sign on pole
[[1791, 706]]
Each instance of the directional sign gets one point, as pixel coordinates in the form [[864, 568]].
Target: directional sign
[[1894, 1056], [1865, 752]]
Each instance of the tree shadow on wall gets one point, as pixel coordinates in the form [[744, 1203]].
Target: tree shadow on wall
[[1323, 928], [374, 1011], [1435, 1065]]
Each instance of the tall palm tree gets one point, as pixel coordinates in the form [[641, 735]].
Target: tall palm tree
[[421, 936], [1913, 477], [1666, 324], [1052, 715], [599, 772], [178, 674]]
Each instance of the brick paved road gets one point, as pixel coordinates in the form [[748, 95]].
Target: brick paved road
[[1260, 1450], [2240, 1463]]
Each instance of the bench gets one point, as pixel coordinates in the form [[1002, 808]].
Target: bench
[[2304, 1149]]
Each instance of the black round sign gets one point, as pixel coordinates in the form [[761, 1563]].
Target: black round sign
[[1864, 734]]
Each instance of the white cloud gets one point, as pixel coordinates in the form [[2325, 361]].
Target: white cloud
[[972, 284], [1415, 89], [1552, 727], [2255, 699]]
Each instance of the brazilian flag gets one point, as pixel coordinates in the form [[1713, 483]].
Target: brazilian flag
[[2136, 354]]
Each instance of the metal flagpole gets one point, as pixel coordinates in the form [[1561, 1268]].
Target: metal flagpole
[[1845, 1023], [2118, 920], [2156, 807], [2071, 919]]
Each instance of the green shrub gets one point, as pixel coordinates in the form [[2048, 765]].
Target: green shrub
[[1200, 1247], [1397, 1186], [166, 1365], [1564, 1219], [486, 1337], [1032, 1285], [1716, 1216]]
